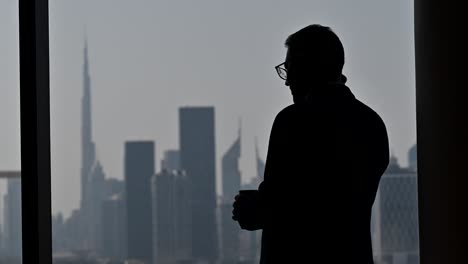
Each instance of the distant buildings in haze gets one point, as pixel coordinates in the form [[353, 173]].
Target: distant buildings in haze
[[172, 216]]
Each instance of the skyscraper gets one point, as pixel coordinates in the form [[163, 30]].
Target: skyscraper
[[197, 149], [113, 228], [96, 194], [397, 223], [171, 216], [230, 230], [183, 217], [230, 169], [92, 173], [88, 154], [139, 168], [12, 215], [71, 235], [164, 224], [111, 231]]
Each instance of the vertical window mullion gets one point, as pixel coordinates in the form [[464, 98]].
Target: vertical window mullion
[[35, 131]]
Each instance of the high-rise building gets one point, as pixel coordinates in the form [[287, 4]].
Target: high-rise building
[[12, 215], [171, 160], [139, 168], [57, 232], [231, 176], [72, 236], [113, 228], [171, 217], [230, 235], [96, 194], [88, 152], [183, 217], [92, 173], [164, 224], [396, 225], [197, 154]]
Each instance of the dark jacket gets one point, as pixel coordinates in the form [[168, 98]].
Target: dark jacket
[[324, 163]]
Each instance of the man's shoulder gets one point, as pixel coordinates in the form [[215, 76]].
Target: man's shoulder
[[284, 118], [287, 111], [356, 108], [287, 114]]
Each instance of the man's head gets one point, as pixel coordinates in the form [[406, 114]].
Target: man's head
[[315, 57]]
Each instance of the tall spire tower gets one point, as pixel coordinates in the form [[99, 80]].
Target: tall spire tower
[[230, 169], [87, 144], [231, 174]]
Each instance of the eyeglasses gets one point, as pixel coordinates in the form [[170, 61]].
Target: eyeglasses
[[281, 70]]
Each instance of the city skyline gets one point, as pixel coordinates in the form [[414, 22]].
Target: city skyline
[[164, 229], [402, 249], [90, 160], [95, 197], [146, 60], [143, 71], [157, 62]]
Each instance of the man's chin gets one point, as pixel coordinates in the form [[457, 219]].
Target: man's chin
[[298, 97]]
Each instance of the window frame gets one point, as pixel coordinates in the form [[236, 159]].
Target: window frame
[[432, 19], [35, 131]]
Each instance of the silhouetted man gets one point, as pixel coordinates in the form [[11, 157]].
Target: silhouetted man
[[326, 154]]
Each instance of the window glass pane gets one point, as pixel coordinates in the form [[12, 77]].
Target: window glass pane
[[10, 159], [161, 111]]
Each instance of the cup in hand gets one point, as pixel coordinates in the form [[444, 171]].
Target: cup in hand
[[247, 209]]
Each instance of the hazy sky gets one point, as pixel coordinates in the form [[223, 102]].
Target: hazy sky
[[148, 58]]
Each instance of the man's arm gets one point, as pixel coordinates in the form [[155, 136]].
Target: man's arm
[[256, 210]]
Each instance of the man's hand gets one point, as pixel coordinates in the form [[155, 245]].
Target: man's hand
[[235, 211], [247, 210]]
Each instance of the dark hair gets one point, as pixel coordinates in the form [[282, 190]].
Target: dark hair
[[320, 47]]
